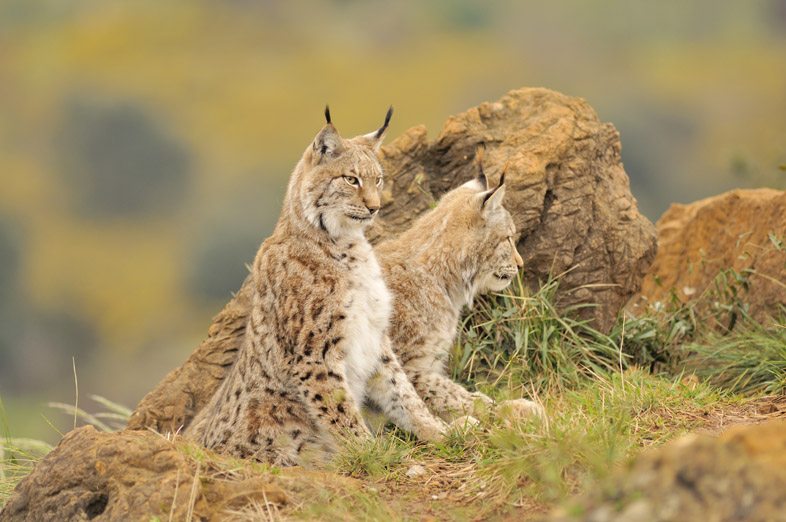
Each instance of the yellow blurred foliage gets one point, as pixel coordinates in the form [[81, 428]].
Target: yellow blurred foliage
[[123, 277]]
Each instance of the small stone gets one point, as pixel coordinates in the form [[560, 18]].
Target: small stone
[[416, 471]]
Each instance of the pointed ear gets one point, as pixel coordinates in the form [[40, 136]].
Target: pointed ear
[[492, 199], [481, 175], [327, 145], [373, 140]]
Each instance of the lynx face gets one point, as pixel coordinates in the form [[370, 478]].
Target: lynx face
[[498, 270], [343, 181], [491, 236]]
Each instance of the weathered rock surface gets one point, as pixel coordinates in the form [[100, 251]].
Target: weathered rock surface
[[567, 192], [127, 475], [738, 476], [732, 230]]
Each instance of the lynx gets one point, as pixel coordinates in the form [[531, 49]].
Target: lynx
[[462, 247], [316, 345]]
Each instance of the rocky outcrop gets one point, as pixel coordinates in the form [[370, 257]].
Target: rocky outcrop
[[566, 189], [567, 192], [128, 475], [740, 475], [743, 230]]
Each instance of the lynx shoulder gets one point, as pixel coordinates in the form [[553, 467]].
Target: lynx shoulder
[[465, 246], [316, 345]]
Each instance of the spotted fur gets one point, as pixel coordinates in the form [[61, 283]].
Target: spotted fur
[[316, 345]]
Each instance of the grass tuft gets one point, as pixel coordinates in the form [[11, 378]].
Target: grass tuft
[[749, 360], [17, 457], [592, 429], [515, 340]]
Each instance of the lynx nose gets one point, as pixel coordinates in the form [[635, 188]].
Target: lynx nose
[[516, 256], [371, 200]]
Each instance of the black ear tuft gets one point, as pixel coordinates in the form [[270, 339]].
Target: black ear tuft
[[481, 175], [381, 130], [327, 113]]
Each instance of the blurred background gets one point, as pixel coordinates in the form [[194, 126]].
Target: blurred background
[[145, 145]]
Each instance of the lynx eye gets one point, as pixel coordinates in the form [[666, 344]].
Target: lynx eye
[[379, 181], [352, 180]]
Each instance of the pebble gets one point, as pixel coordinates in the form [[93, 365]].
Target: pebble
[[416, 470]]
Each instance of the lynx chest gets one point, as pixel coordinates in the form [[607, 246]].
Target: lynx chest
[[368, 306]]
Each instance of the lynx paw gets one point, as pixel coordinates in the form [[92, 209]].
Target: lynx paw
[[517, 409], [463, 423]]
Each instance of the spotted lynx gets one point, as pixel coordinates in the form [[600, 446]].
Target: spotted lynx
[[316, 346], [463, 247]]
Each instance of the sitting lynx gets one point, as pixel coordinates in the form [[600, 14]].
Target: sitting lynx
[[463, 247], [316, 344]]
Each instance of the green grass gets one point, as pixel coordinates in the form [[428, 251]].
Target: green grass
[[750, 360], [516, 343], [515, 339], [594, 427], [17, 457], [591, 428]]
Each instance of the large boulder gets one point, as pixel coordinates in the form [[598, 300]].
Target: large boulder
[[740, 475], [128, 475], [566, 189], [741, 230]]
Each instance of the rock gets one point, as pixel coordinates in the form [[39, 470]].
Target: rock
[[729, 231], [740, 475], [567, 192], [415, 471], [566, 189], [127, 475]]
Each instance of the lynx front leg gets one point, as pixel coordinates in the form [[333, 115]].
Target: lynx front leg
[[448, 398], [391, 390]]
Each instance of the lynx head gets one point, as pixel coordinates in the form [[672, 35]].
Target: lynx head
[[479, 231], [338, 181], [498, 259]]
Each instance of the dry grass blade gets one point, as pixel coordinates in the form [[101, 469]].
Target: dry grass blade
[[76, 391], [192, 497], [174, 498]]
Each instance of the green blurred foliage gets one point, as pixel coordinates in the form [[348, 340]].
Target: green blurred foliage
[[120, 162], [145, 145]]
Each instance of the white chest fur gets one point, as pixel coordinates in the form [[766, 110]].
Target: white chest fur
[[368, 307]]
